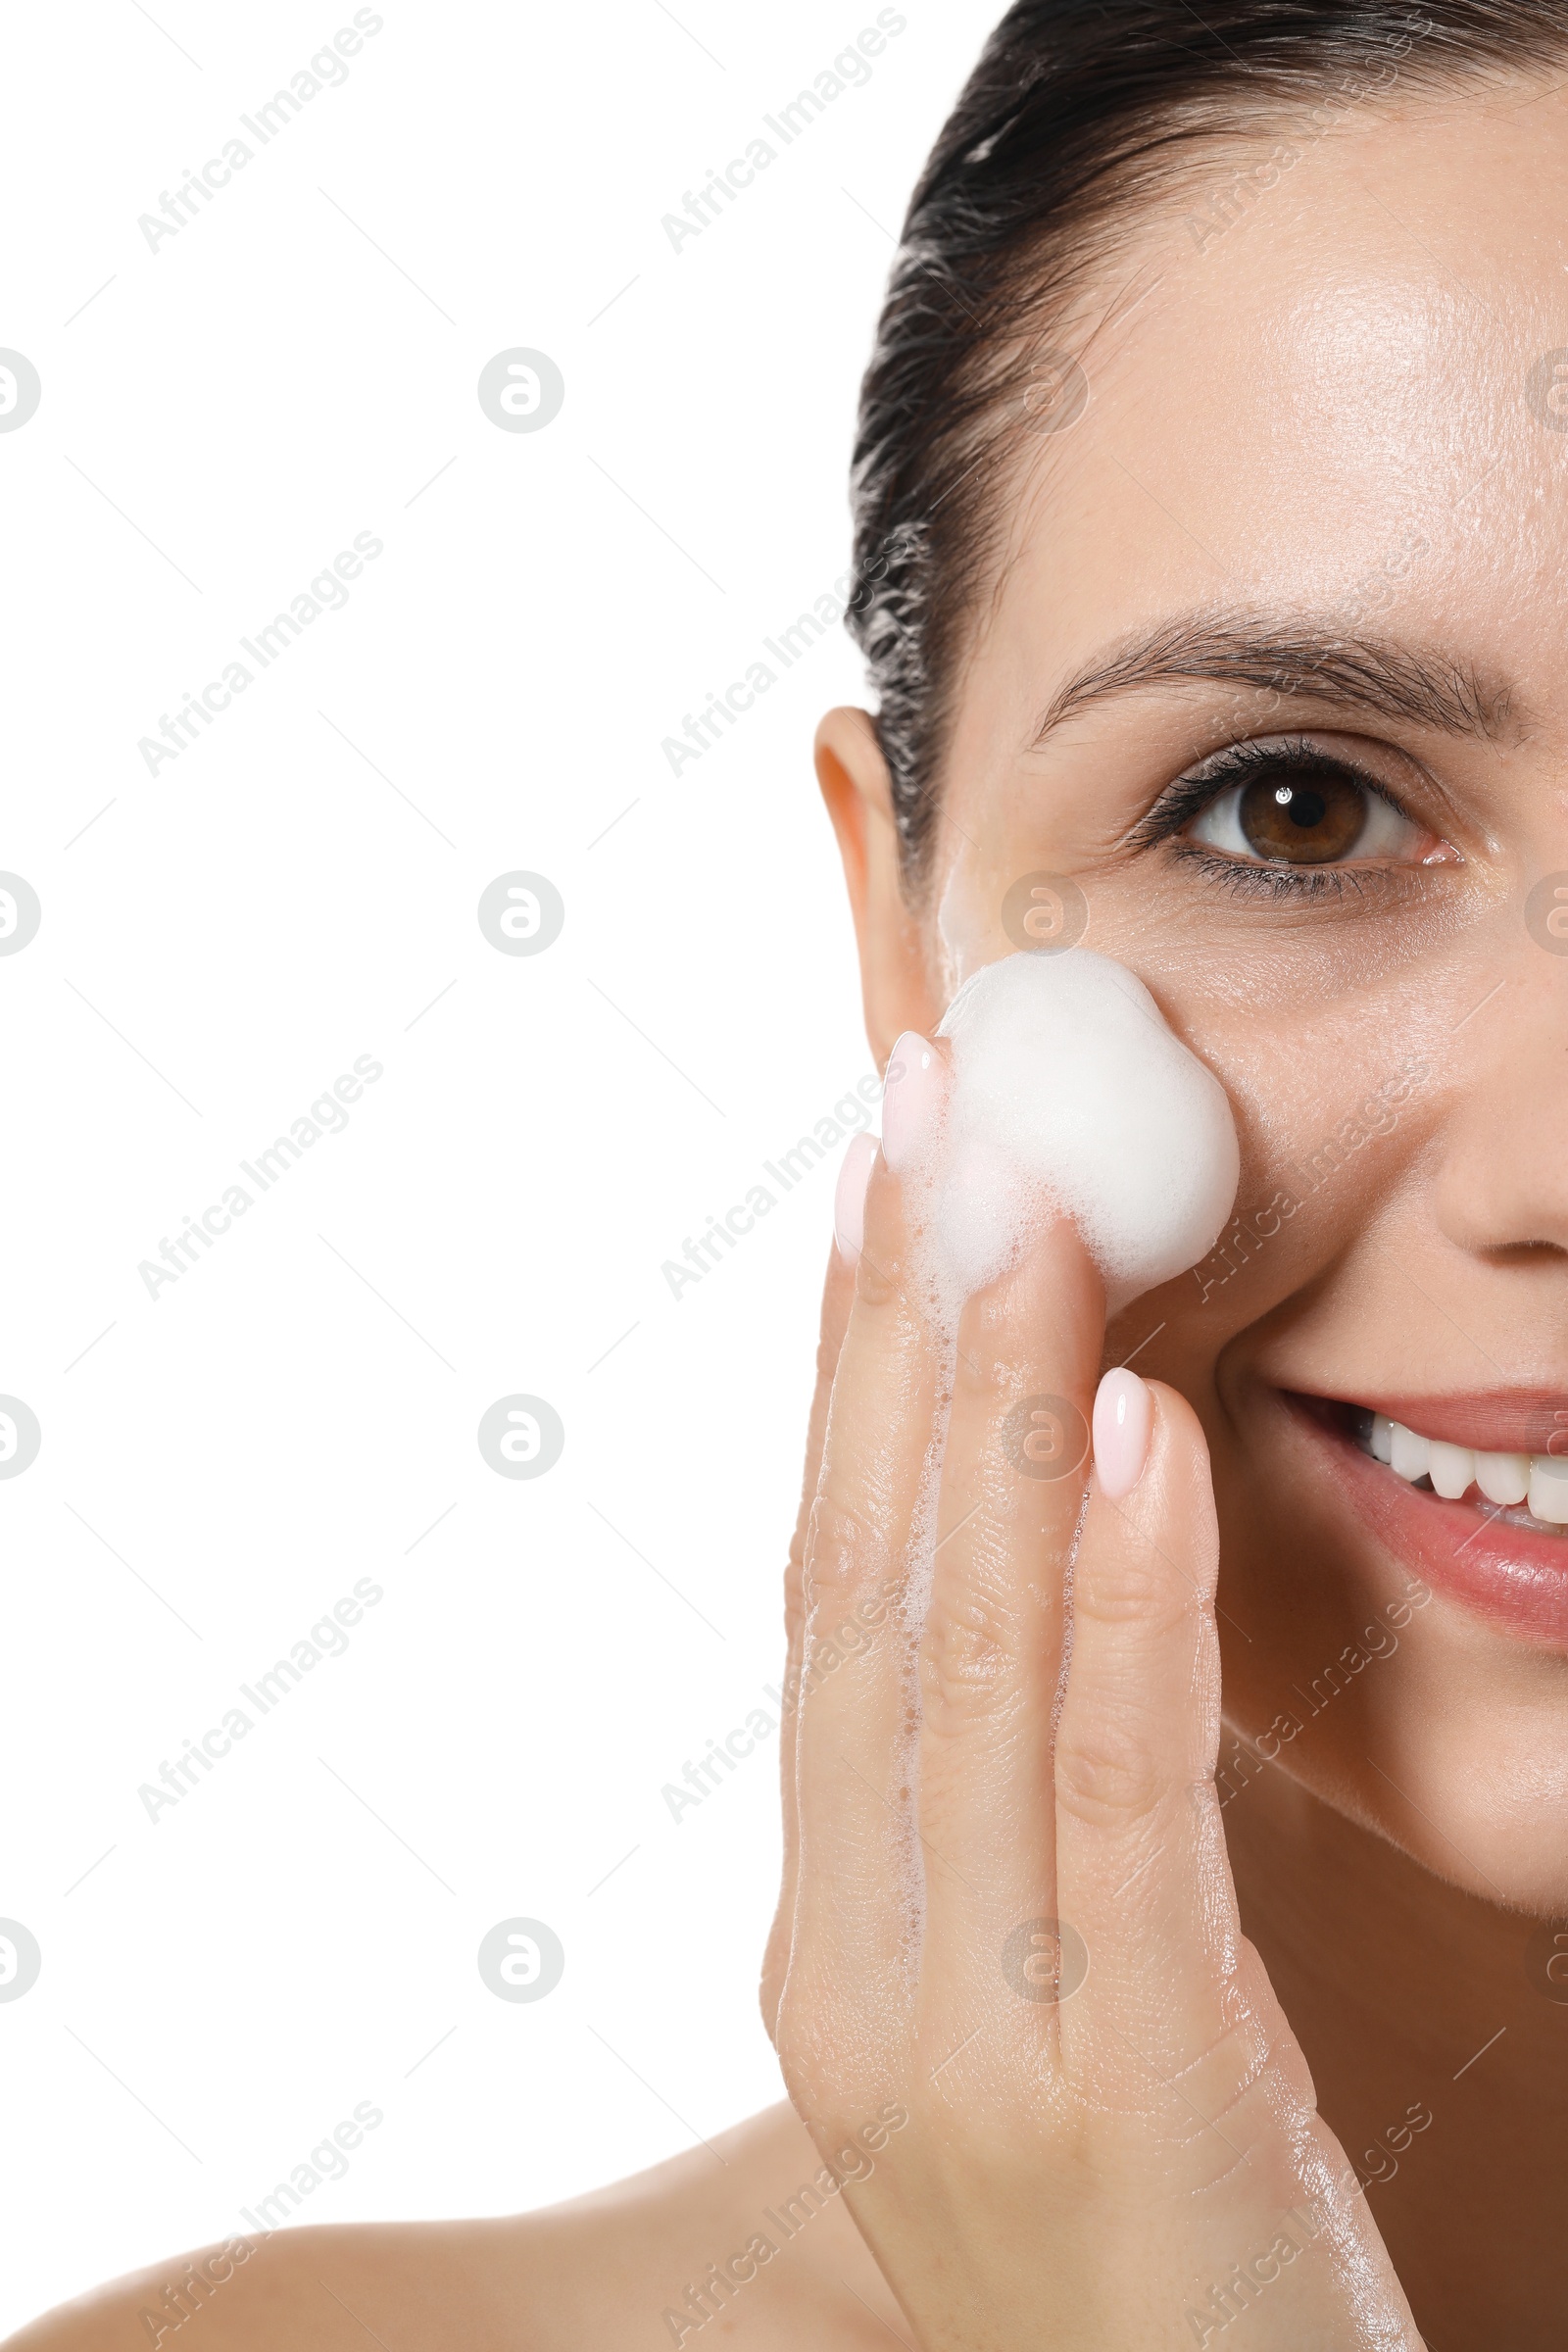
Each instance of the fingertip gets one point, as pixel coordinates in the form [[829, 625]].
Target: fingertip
[[915, 1088], [848, 1198], [1123, 1424], [1177, 1426], [1177, 1468]]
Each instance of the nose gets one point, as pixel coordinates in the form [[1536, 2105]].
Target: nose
[[1502, 1187]]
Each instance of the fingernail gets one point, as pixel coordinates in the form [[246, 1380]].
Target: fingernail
[[849, 1200], [912, 1092], [1124, 1415]]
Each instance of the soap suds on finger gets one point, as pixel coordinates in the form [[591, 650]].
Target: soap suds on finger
[[1063, 1092]]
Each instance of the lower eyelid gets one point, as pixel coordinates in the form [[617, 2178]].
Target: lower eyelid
[[1266, 879]]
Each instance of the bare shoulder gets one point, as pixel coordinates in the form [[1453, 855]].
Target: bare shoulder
[[749, 2232]]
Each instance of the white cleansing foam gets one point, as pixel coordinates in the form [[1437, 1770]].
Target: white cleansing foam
[[1069, 1093]]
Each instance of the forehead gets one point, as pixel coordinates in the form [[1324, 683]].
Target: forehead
[[1324, 375]]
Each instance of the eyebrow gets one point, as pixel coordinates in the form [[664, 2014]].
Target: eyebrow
[[1295, 655]]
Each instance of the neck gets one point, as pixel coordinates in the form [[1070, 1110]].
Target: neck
[[1410, 1999]]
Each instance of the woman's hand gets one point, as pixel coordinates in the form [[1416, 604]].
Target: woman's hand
[[1007, 1915]]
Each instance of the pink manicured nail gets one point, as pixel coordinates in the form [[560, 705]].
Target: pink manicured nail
[[849, 1200], [912, 1095], [1124, 1414]]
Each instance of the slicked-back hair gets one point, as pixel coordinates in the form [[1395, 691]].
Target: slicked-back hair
[[1078, 114]]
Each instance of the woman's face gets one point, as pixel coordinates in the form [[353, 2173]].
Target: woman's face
[[1327, 447]]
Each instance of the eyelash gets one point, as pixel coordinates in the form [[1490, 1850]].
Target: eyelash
[[1190, 795]]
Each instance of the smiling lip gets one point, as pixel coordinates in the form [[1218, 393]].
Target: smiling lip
[[1492, 1421], [1510, 1573]]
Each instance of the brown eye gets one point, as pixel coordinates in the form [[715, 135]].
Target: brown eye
[[1308, 818], [1281, 801]]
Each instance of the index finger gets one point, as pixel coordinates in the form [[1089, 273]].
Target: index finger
[[1142, 1874]]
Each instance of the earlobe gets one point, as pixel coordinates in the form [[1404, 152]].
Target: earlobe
[[895, 983]]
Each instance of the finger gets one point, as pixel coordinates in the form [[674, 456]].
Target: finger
[[1142, 1872], [853, 1876], [1012, 1488], [838, 1294]]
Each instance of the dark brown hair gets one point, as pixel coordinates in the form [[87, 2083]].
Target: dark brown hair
[[1077, 110]]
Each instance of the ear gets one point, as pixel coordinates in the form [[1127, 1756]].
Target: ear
[[896, 980]]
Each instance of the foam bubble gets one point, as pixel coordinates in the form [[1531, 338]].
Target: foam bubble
[[1068, 1092]]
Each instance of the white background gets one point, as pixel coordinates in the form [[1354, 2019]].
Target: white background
[[219, 941]]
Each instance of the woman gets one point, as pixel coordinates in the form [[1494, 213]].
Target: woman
[[1211, 511]]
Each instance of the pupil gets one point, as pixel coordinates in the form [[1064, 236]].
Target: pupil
[[1302, 823]]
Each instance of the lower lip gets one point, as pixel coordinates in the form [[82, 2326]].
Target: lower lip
[[1514, 1579]]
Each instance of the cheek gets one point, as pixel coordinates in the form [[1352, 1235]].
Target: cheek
[[1330, 1113], [1327, 1084]]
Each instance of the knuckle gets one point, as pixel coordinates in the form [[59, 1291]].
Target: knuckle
[[1109, 1779], [1134, 1588], [830, 1647], [843, 1548], [986, 1369], [850, 1589], [969, 1655], [881, 1278]]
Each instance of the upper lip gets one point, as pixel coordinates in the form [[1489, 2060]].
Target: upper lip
[[1487, 1420]]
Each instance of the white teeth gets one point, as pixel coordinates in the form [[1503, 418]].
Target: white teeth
[[1540, 1480], [1503, 1478], [1549, 1488], [1409, 1456], [1452, 1468]]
